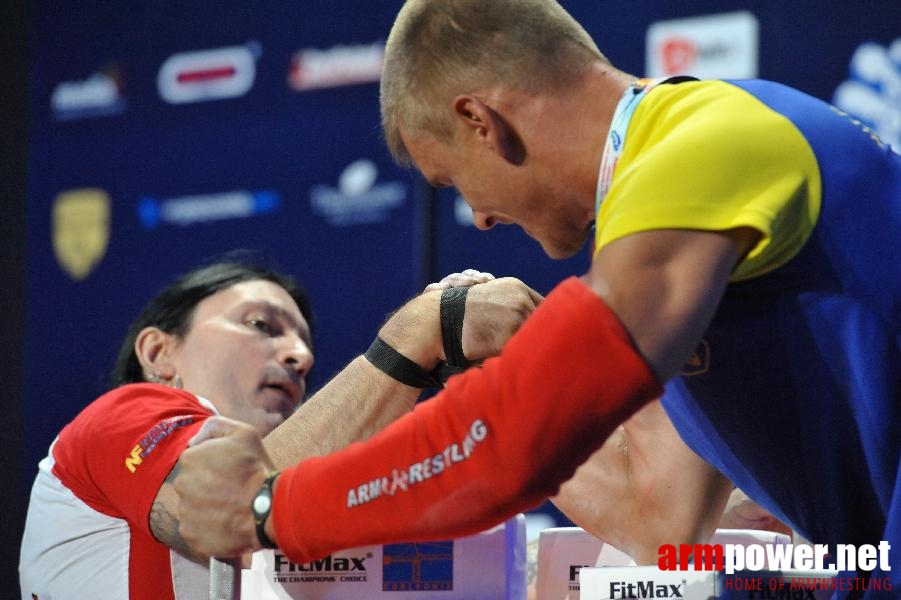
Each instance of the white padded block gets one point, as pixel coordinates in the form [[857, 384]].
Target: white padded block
[[562, 552], [487, 566]]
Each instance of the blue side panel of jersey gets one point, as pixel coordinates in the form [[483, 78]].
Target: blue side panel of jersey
[[805, 362]]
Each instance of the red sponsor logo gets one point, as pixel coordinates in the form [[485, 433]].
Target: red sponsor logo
[[208, 74], [678, 55]]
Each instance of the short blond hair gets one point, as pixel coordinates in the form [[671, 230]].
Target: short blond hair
[[440, 48]]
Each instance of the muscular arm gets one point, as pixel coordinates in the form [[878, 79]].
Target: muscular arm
[[665, 287], [355, 403], [362, 399], [644, 483], [644, 487], [164, 520], [358, 401], [561, 386], [352, 406]]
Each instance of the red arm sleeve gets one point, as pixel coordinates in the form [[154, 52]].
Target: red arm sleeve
[[496, 441]]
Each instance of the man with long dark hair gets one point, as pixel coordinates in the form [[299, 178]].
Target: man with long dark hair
[[231, 339]]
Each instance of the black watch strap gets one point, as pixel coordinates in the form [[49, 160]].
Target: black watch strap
[[261, 507]]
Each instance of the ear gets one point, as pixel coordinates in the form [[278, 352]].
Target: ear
[[489, 128], [154, 347]]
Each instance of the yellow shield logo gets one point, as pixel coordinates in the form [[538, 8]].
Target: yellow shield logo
[[81, 223]]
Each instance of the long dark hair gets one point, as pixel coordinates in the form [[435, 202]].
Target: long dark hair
[[172, 309]]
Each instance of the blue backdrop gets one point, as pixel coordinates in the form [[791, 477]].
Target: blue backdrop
[[163, 134]]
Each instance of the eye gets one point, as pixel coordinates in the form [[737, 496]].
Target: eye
[[260, 324]]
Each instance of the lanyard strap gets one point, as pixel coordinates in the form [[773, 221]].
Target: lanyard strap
[[616, 138]]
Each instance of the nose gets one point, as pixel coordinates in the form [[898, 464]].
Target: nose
[[296, 354], [483, 221]]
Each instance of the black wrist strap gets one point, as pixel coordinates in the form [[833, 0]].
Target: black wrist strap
[[261, 508], [406, 371], [453, 309], [399, 367]]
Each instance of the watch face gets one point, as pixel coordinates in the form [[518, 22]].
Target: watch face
[[262, 503]]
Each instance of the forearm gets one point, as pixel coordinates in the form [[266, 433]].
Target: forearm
[[497, 441], [356, 403], [164, 520], [645, 488], [697, 502], [361, 399]]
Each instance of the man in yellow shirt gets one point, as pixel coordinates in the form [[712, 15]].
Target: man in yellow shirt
[[745, 257]]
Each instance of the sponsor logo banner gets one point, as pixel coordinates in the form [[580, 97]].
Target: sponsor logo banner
[[485, 566], [204, 208], [344, 567], [872, 93], [205, 75], [358, 198], [81, 230], [312, 68], [424, 566], [709, 47], [100, 95]]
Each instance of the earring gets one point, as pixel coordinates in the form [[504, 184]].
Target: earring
[[174, 381]]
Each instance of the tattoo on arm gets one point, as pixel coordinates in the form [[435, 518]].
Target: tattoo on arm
[[164, 522], [170, 478]]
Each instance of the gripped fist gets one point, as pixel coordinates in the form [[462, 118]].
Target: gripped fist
[[495, 310], [219, 474]]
